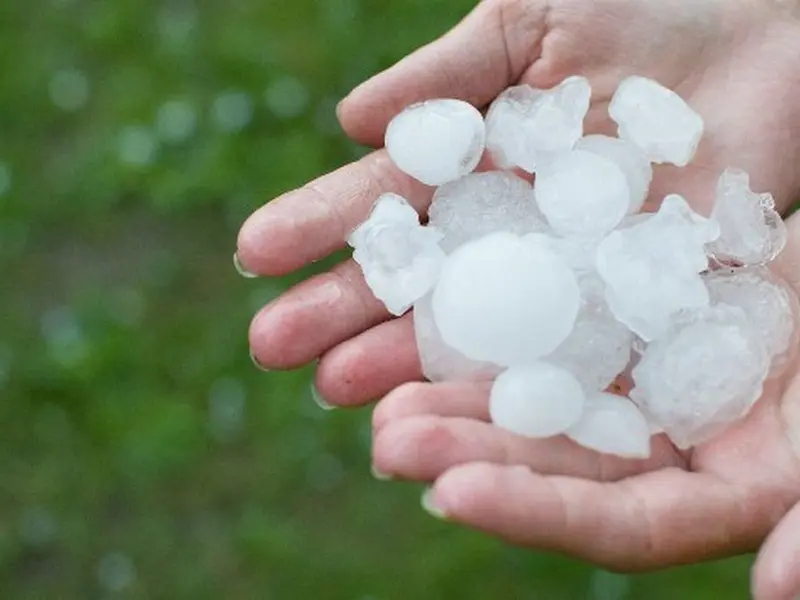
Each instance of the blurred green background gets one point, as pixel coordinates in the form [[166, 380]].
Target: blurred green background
[[141, 453]]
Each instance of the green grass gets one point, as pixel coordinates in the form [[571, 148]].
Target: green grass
[[141, 454]]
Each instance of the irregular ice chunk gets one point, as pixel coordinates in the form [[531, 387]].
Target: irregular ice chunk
[[579, 252], [612, 425], [630, 158], [526, 126], [651, 268], [437, 141], [400, 258], [538, 400], [701, 379], [599, 347], [752, 231], [657, 120], [767, 301], [483, 203], [505, 300], [582, 193], [439, 361]]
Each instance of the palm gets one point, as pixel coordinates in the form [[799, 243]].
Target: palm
[[713, 54]]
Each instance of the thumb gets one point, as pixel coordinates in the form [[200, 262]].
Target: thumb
[[776, 573], [481, 56]]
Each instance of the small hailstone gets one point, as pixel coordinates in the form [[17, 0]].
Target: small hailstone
[[437, 141], [582, 193], [400, 258], [505, 300], [702, 378], [630, 158], [752, 231], [526, 126], [657, 120], [768, 302], [612, 425], [651, 268], [538, 400], [483, 203], [599, 347], [439, 361]]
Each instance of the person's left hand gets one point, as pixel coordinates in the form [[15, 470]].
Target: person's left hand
[[720, 499]]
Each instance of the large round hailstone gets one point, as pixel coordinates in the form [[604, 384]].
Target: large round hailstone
[[437, 141], [537, 401], [505, 299], [582, 193]]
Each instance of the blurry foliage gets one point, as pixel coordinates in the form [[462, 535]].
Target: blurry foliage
[[141, 454]]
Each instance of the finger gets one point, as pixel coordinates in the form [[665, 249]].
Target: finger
[[474, 62], [776, 575], [312, 222], [421, 448], [313, 317], [451, 399], [655, 520], [370, 365]]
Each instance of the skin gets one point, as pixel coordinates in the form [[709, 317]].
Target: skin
[[735, 62]]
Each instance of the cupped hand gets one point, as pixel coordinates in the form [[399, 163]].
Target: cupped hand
[[720, 499], [735, 61]]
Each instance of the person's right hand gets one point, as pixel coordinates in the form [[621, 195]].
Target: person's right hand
[[735, 61]]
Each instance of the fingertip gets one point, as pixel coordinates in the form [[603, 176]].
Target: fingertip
[[467, 493], [775, 574], [266, 243]]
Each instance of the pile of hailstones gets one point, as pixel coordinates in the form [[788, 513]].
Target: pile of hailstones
[[546, 278]]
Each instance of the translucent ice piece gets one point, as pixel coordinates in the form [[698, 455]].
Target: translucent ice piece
[[630, 158], [526, 126], [483, 203], [582, 193], [439, 361], [651, 267], [599, 347], [579, 252], [400, 258], [437, 141], [769, 303], [536, 401], [657, 120], [612, 425], [698, 381], [752, 231], [505, 300]]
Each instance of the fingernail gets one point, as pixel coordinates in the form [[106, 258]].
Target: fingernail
[[380, 475], [339, 108], [237, 264], [429, 506], [258, 365], [319, 400]]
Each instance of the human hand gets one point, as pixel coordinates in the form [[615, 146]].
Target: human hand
[[734, 61], [719, 499]]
